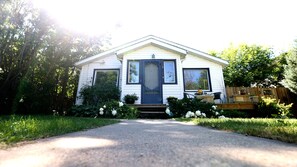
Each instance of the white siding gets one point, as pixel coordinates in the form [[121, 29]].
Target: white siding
[[87, 71]]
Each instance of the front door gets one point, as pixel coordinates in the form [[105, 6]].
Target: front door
[[151, 87]]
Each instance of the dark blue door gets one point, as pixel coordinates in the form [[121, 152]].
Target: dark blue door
[[151, 87]]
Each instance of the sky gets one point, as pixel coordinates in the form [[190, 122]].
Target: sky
[[205, 25]]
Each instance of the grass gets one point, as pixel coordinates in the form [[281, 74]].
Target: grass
[[22, 128], [278, 129]]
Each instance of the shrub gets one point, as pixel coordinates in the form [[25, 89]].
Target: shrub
[[110, 109], [180, 107], [33, 98], [84, 111], [100, 93], [268, 107]]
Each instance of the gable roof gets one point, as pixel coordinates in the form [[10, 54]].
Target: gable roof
[[181, 49]]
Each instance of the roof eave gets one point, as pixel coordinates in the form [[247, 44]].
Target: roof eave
[[183, 50]]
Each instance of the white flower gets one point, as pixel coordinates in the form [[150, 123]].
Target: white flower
[[222, 117], [190, 114], [187, 115], [217, 113], [203, 114], [167, 111], [101, 109], [101, 112], [55, 113], [21, 100], [198, 113], [121, 104], [104, 106], [214, 107], [114, 112]]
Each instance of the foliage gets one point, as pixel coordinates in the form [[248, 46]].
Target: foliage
[[277, 66], [234, 114], [122, 110], [131, 96], [279, 129], [171, 98], [290, 73], [37, 54], [19, 128], [99, 93], [109, 109], [268, 107], [247, 64], [84, 111], [180, 107]]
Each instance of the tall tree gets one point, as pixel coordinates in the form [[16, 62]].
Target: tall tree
[[36, 60], [247, 64], [277, 66], [21, 33], [290, 72]]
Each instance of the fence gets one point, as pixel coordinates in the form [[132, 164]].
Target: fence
[[282, 94]]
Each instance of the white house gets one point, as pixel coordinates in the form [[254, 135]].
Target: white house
[[154, 69]]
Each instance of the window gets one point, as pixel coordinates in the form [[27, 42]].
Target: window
[[195, 79], [169, 72], [133, 71], [106, 76]]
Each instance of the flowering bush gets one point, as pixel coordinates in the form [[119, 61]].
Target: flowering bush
[[111, 109], [167, 111], [190, 114], [192, 108], [114, 112]]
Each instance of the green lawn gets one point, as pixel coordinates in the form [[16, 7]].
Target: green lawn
[[20, 128], [278, 129]]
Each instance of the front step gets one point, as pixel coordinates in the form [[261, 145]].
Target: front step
[[152, 110]]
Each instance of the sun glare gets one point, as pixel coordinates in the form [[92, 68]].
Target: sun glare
[[89, 16], [207, 25]]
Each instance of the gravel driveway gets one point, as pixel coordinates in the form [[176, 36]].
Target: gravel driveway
[[151, 143]]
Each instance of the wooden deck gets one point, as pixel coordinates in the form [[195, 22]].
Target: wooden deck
[[237, 106]]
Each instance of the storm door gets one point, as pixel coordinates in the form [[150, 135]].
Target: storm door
[[151, 87]]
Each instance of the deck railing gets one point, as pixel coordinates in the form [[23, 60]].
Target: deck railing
[[280, 93]]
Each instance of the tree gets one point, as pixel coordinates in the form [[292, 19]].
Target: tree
[[247, 64], [277, 66], [37, 73], [290, 70], [21, 34]]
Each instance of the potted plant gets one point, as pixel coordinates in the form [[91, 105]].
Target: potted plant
[[130, 98]]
